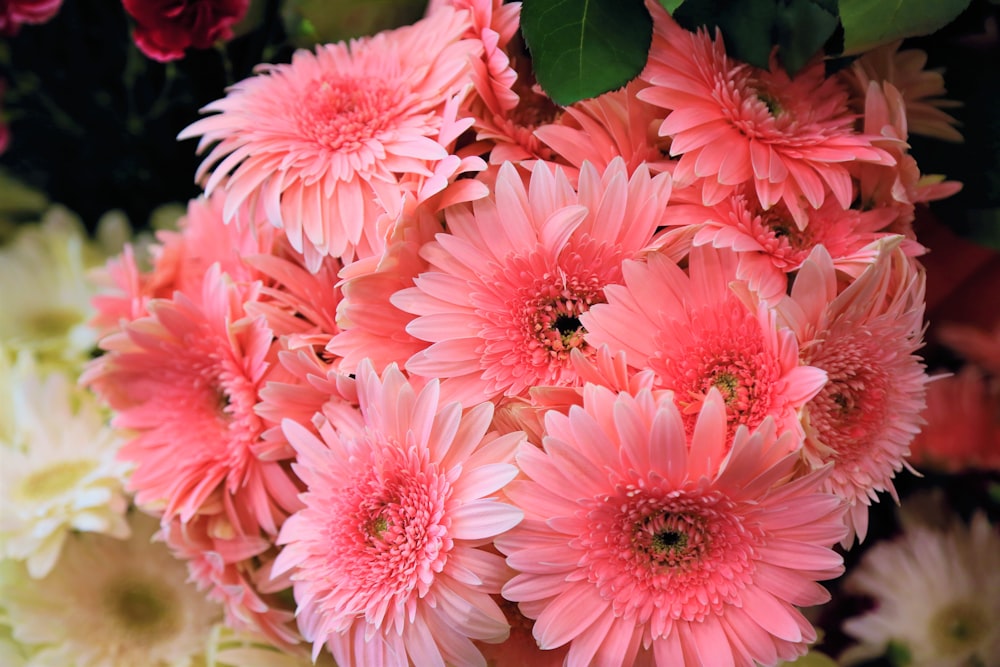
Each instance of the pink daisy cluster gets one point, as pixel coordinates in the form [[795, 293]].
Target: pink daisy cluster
[[438, 372]]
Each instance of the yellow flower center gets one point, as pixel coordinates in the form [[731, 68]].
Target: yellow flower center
[[54, 480]]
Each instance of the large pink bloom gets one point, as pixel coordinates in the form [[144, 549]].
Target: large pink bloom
[[329, 142], [185, 379], [166, 28], [385, 556], [696, 334], [732, 123], [641, 543], [501, 302], [865, 338]]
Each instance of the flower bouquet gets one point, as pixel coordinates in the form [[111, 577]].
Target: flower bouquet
[[564, 333]]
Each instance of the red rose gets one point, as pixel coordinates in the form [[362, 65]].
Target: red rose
[[165, 28], [15, 12]]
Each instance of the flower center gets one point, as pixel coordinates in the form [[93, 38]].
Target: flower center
[[344, 115], [656, 552], [54, 480], [959, 627], [52, 322], [142, 608]]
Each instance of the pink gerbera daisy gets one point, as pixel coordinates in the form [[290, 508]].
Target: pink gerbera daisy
[[865, 416], [696, 334], [329, 142], [641, 543], [770, 244], [732, 123], [185, 379], [507, 285], [385, 557]]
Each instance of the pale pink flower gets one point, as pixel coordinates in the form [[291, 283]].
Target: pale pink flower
[[643, 543], [865, 338], [232, 566], [385, 557], [615, 124], [770, 245], [327, 143], [185, 380], [922, 89], [371, 327], [892, 191], [732, 123], [962, 424], [501, 303], [696, 334]]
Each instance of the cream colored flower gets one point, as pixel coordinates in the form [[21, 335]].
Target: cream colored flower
[[110, 603], [937, 597], [59, 469]]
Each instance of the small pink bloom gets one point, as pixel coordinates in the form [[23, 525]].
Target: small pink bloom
[[385, 557], [641, 542], [15, 13], [501, 303], [732, 123], [166, 28], [696, 334], [328, 143]]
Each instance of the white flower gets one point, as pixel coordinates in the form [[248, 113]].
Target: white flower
[[228, 648], [110, 603], [937, 597], [46, 292], [59, 469]]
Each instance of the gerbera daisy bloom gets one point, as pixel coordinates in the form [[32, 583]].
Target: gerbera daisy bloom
[[110, 603], [323, 143], [732, 123], [695, 333], [615, 124], [979, 345], [922, 89], [865, 416], [60, 473], [962, 429], [15, 13], [642, 542], [46, 291], [185, 380], [508, 283], [231, 565], [891, 192], [936, 594], [385, 556], [770, 245]]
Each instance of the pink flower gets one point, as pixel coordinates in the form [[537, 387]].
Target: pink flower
[[185, 379], [731, 123], [615, 124], [865, 338], [922, 89], [501, 302], [770, 245], [327, 144], [4, 128], [962, 429], [640, 543], [166, 28], [696, 334], [385, 556], [15, 13]]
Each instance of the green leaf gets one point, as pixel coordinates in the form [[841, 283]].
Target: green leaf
[[672, 5], [869, 23], [747, 25], [582, 48], [803, 27]]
